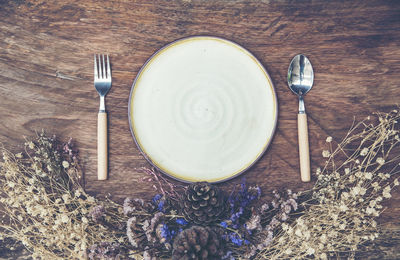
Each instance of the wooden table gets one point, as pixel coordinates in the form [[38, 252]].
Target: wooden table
[[46, 74]]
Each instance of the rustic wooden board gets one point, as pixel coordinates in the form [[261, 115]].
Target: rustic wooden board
[[46, 72]]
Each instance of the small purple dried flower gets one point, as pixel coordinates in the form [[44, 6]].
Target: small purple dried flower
[[68, 148], [287, 208], [240, 201], [293, 203], [147, 255], [287, 203], [156, 198], [104, 250], [264, 207], [97, 213], [164, 231], [228, 256], [274, 204], [281, 206], [267, 241], [160, 205], [234, 237], [254, 223], [131, 205], [156, 219], [276, 194], [255, 192], [274, 223], [150, 227], [251, 252], [132, 237], [167, 233], [181, 221], [159, 201], [224, 224]]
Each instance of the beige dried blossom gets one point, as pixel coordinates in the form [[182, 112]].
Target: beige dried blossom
[[386, 192], [325, 153], [348, 203], [65, 164], [368, 175], [42, 204], [380, 160], [364, 151]]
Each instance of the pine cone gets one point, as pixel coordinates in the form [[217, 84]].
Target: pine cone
[[203, 203], [198, 243]]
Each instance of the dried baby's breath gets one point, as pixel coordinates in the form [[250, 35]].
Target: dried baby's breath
[[347, 197], [325, 153], [65, 164], [44, 205], [48, 211], [364, 151]]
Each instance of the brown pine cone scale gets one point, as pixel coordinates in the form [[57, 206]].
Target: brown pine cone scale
[[203, 203], [198, 243]]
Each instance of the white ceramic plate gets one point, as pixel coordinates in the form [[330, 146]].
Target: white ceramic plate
[[202, 109]]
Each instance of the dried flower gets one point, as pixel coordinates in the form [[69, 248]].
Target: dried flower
[[325, 153], [386, 192], [239, 202], [46, 206], [42, 188], [310, 251], [181, 221], [166, 232], [130, 232], [235, 239], [65, 164], [380, 160], [104, 250], [97, 213], [364, 151], [342, 214], [131, 205], [254, 223]]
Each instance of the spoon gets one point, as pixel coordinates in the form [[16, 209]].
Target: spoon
[[300, 81]]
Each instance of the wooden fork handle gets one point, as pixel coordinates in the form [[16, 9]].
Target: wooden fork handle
[[304, 152], [102, 160]]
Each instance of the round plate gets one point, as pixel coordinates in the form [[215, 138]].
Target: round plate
[[202, 109]]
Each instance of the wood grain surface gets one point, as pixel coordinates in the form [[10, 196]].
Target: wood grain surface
[[46, 74]]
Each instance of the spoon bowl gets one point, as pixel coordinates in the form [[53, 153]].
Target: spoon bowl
[[300, 75], [300, 81]]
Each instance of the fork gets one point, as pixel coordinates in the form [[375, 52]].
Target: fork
[[102, 83]]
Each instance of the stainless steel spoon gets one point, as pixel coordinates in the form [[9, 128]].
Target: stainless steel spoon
[[300, 81]]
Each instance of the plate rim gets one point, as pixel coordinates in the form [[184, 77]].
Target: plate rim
[[251, 55]]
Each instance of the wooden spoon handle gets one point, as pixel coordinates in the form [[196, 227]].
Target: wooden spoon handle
[[102, 161], [304, 151]]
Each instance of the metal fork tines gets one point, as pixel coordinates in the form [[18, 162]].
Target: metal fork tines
[[102, 77]]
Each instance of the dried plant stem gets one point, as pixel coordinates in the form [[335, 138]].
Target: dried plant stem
[[346, 199], [44, 206]]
